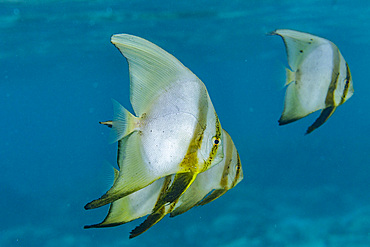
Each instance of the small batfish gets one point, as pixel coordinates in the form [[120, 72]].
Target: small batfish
[[208, 186], [175, 129], [319, 78]]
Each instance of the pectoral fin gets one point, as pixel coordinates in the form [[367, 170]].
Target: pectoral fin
[[325, 115]]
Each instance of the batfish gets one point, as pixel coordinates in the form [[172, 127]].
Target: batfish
[[174, 129], [318, 79]]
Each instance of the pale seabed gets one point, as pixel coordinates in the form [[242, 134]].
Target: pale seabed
[[59, 73]]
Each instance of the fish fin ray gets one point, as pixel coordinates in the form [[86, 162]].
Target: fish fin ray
[[152, 70]]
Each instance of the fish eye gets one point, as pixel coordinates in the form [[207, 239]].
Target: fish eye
[[216, 140]]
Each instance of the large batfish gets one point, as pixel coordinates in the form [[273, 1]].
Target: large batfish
[[207, 187], [175, 129], [319, 78]]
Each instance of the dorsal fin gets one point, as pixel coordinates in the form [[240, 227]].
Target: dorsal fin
[[152, 70], [298, 44]]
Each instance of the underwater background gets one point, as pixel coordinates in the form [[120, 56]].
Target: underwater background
[[59, 71]]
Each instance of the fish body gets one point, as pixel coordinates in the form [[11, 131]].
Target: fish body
[[175, 129], [318, 79], [208, 186]]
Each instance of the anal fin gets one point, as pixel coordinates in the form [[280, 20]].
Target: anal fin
[[103, 200], [325, 115], [156, 216], [151, 220], [211, 197], [181, 183]]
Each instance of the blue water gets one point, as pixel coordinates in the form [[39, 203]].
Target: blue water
[[58, 75]]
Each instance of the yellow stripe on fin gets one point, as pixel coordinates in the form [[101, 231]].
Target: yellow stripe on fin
[[116, 174]]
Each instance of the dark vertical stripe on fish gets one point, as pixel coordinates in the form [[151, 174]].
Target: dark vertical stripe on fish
[[190, 164], [238, 170], [228, 158], [346, 86], [329, 101], [214, 149]]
